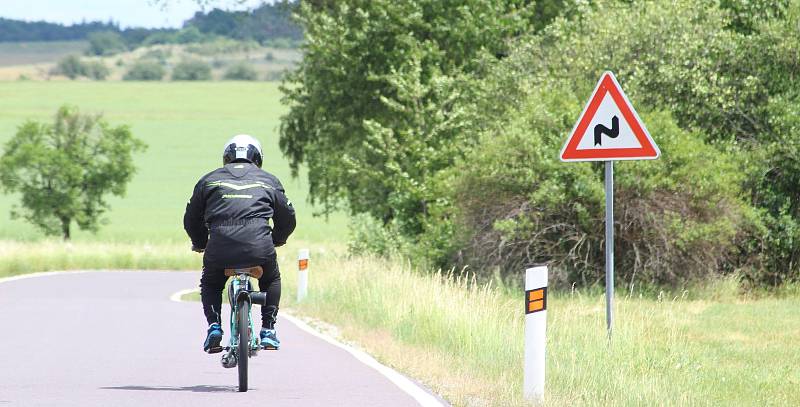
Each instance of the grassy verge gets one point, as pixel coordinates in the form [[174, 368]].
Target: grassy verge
[[464, 340], [48, 255]]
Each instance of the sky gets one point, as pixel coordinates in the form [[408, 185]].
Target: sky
[[128, 13]]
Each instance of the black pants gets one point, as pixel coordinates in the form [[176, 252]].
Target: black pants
[[212, 282]]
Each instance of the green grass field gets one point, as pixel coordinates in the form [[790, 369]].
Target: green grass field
[[185, 126]]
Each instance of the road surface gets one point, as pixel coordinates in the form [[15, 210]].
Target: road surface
[[115, 339]]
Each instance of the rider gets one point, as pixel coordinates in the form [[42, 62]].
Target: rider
[[234, 205]]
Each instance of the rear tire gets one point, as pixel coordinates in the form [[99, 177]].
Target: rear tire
[[243, 319]]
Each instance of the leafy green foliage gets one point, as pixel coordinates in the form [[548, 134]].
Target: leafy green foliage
[[728, 99], [105, 43], [145, 70], [17, 30], [241, 72], [71, 66], [516, 204], [64, 171], [373, 104], [191, 70], [446, 127], [189, 35], [97, 70], [268, 22]]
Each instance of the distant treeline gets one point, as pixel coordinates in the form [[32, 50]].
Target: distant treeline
[[264, 24], [17, 31], [268, 22]]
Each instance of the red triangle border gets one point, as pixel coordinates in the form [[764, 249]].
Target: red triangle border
[[648, 149]]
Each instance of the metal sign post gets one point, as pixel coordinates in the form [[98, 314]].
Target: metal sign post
[[609, 129], [609, 246]]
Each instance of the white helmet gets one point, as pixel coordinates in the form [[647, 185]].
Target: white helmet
[[242, 148]]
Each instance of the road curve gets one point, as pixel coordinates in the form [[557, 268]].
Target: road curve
[[115, 339]]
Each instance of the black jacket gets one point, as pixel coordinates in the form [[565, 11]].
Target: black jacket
[[233, 205]]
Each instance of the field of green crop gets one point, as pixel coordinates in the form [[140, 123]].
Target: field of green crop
[[185, 126]]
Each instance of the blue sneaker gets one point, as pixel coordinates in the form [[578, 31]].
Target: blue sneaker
[[213, 339], [269, 339]]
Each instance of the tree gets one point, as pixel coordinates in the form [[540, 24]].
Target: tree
[[372, 103], [192, 70], [105, 43], [65, 171]]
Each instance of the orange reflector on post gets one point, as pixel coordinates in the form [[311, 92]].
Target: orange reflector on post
[[536, 300], [303, 264]]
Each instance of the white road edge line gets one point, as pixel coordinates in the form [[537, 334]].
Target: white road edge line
[[44, 274], [176, 296], [419, 394]]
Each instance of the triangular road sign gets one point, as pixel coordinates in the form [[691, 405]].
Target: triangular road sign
[[609, 128]]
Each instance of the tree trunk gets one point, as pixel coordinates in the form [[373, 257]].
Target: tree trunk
[[65, 228]]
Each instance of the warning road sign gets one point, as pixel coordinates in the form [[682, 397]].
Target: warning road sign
[[609, 128]]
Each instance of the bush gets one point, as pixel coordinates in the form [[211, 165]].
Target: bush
[[241, 72], [105, 43], [71, 66], [672, 227], [189, 35], [158, 54], [192, 70], [144, 70], [161, 37], [97, 70]]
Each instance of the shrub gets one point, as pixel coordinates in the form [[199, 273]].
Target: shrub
[[71, 66], [105, 43], [158, 54], [269, 57], [241, 72], [144, 70], [97, 70], [189, 35], [516, 204], [191, 70], [160, 37]]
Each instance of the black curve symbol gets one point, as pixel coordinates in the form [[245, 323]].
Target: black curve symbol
[[613, 132]]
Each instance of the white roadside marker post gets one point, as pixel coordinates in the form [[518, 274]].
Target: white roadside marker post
[[535, 325], [302, 274]]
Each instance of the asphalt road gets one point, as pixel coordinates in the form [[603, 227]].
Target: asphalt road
[[115, 339]]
